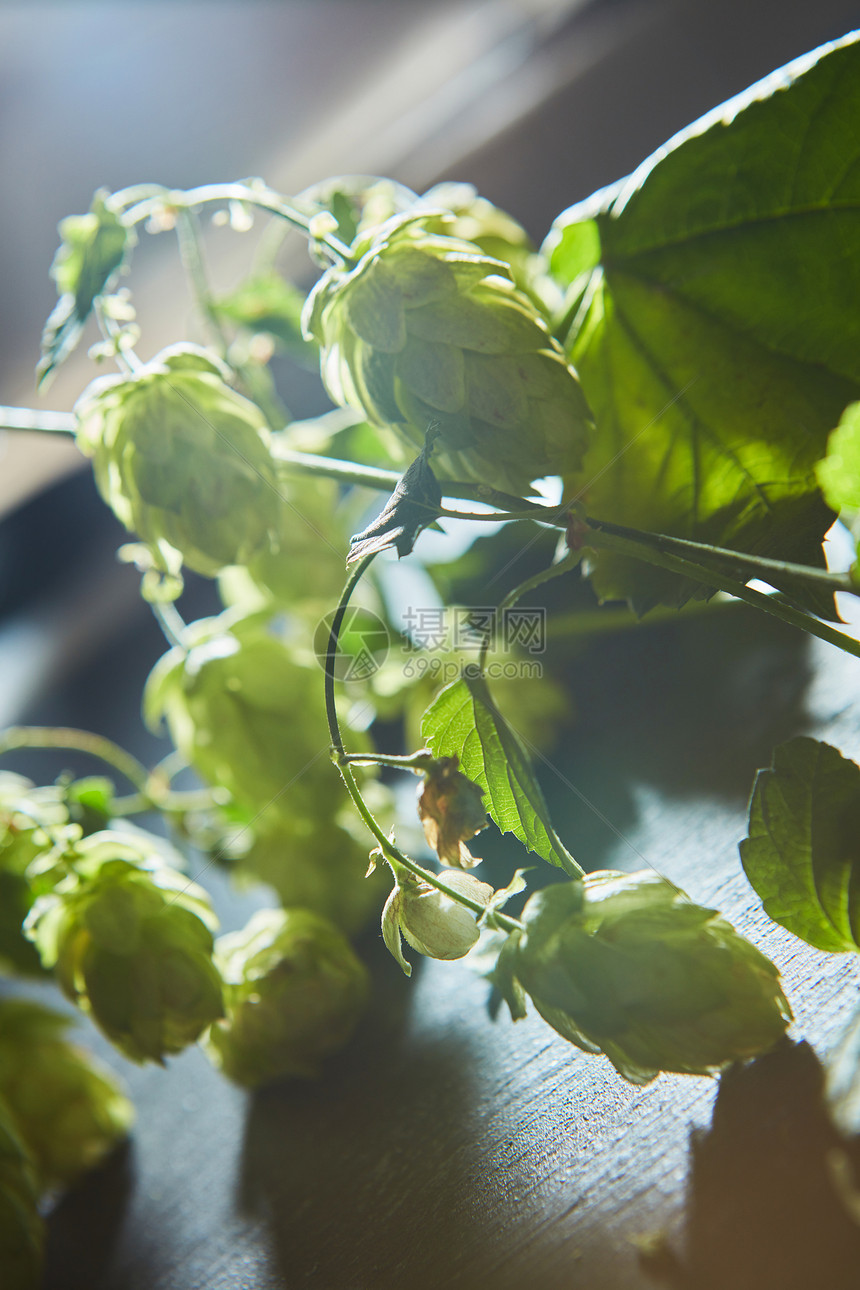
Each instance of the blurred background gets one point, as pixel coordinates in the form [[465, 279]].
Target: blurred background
[[536, 102]]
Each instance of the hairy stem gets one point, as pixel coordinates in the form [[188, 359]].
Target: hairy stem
[[170, 621], [341, 758], [252, 194], [84, 741], [753, 565], [34, 419], [600, 537]]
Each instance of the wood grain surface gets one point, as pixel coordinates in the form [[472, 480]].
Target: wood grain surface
[[448, 1148]]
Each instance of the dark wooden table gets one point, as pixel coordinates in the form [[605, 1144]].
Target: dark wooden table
[[448, 1148]]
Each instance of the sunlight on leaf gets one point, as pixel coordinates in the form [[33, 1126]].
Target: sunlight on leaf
[[716, 343], [802, 855], [463, 721]]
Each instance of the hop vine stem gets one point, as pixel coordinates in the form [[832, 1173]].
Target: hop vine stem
[[342, 758], [147, 797], [137, 207]]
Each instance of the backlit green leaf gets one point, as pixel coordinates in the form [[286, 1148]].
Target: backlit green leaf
[[802, 855], [92, 250], [717, 339], [463, 721], [839, 472], [268, 303]]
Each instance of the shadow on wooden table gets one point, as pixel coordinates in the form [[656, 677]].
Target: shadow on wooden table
[[96, 1206], [762, 1212], [361, 1182]]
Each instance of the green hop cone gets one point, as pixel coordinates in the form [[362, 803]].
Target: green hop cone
[[294, 992], [22, 1229], [30, 821], [472, 218], [431, 922], [302, 567], [316, 865], [428, 330], [626, 965], [68, 1109], [246, 714], [130, 941], [182, 460]]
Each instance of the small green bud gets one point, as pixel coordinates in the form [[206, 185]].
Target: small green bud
[[68, 1109], [626, 964], [22, 1229], [294, 992], [182, 460], [130, 941], [433, 923], [428, 330]]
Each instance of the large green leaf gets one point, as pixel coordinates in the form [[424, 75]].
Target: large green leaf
[[717, 341], [802, 855], [464, 722]]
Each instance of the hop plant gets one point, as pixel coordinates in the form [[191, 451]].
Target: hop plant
[[429, 920], [68, 1110], [316, 865], [451, 810], [182, 460], [627, 965], [130, 941], [22, 1229], [31, 820], [246, 714], [427, 330], [294, 993], [465, 215]]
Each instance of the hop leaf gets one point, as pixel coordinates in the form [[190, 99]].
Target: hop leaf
[[626, 965], [294, 992], [69, 1111], [268, 303], [131, 943], [22, 1229], [92, 251], [427, 330], [430, 921], [182, 460]]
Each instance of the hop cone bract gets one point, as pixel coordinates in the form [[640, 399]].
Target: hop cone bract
[[68, 1109], [627, 965], [130, 941], [426, 330], [294, 992], [182, 460]]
